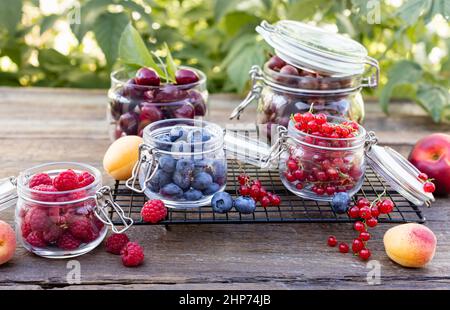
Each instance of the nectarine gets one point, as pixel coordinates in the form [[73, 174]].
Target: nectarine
[[7, 242], [410, 245], [121, 156]]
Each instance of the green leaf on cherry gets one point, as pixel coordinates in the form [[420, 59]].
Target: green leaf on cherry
[[171, 67]]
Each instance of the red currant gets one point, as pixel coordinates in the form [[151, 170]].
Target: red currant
[[372, 222], [313, 126], [320, 118], [298, 117], [363, 202], [275, 200], [320, 190], [289, 176], [386, 206], [307, 117], [291, 165], [429, 187], [321, 176], [300, 175], [330, 190], [343, 247], [359, 226], [364, 254], [357, 245], [243, 179], [332, 173], [423, 176], [332, 241], [244, 190], [326, 129], [299, 186], [254, 192], [262, 192], [256, 182], [365, 213], [364, 236], [375, 211], [265, 202], [353, 212]]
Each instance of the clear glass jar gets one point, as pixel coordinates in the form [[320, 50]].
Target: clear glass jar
[[60, 224], [316, 168], [179, 167], [132, 107]]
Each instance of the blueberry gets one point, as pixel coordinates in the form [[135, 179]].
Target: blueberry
[[201, 165], [245, 204], [211, 189], [195, 136], [185, 166], [219, 171], [193, 195], [171, 190], [221, 202], [176, 133], [164, 142], [182, 180], [160, 179], [340, 202], [201, 181], [167, 163]]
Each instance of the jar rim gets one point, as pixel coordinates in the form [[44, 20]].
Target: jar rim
[[25, 176], [117, 80]]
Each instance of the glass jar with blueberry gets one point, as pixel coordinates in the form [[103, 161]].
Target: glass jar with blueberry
[[143, 99], [310, 67], [182, 162]]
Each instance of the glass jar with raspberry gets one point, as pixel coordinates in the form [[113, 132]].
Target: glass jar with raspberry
[[61, 208], [182, 162], [143, 99], [310, 67]]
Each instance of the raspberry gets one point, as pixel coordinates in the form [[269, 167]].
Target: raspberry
[[116, 242], [52, 234], [36, 239], [99, 224], [66, 181], [153, 211], [68, 242], [83, 230], [40, 179], [38, 219], [85, 179], [26, 229], [132, 254], [46, 195]]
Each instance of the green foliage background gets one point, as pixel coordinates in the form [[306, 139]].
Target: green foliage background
[[218, 37]]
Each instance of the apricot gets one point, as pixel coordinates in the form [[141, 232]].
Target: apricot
[[121, 156], [7, 242], [410, 245]]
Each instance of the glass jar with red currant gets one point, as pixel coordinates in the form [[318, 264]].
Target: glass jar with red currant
[[145, 98], [310, 67], [61, 208]]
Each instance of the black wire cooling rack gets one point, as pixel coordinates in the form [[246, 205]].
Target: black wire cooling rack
[[293, 209]]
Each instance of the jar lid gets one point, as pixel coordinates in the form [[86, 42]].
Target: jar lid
[[399, 173], [314, 49]]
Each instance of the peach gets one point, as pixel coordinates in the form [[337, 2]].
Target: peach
[[410, 245], [7, 242], [121, 156]]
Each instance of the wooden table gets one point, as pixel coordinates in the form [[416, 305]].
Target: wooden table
[[44, 125]]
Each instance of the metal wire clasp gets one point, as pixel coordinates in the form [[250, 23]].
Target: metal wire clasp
[[372, 81], [103, 201], [146, 156], [371, 139], [277, 148], [254, 94]]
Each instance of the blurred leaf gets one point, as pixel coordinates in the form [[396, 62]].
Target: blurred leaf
[[47, 22], [137, 8], [403, 72], [360, 5], [88, 14], [9, 79], [235, 21], [132, 50], [434, 99], [438, 7], [222, 7], [10, 14], [108, 29], [171, 67], [344, 25], [411, 10], [305, 9]]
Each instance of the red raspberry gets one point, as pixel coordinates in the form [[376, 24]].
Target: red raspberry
[[38, 219], [85, 179], [36, 239], [66, 180], [116, 242], [83, 229], [99, 224], [153, 211], [52, 234], [26, 229], [68, 242], [46, 195], [132, 254], [40, 179]]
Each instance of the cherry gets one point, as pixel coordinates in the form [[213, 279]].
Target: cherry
[[357, 245], [423, 176], [386, 206], [332, 241], [343, 247], [147, 76], [289, 70], [364, 236], [365, 213], [170, 93], [244, 190], [150, 112], [364, 254], [429, 187], [372, 222], [275, 200], [196, 99], [128, 123], [353, 212], [359, 226], [276, 63], [185, 111], [265, 201], [186, 76]]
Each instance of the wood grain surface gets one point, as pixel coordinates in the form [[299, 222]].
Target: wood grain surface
[[44, 125]]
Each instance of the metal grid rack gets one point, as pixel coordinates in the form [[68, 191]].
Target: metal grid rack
[[293, 209]]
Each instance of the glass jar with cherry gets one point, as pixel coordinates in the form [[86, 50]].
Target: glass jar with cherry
[[145, 98]]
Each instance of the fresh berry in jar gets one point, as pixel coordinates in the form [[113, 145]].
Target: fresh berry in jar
[[276, 63], [332, 241], [289, 70], [66, 180], [85, 179], [68, 242], [147, 76], [186, 76], [40, 179]]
